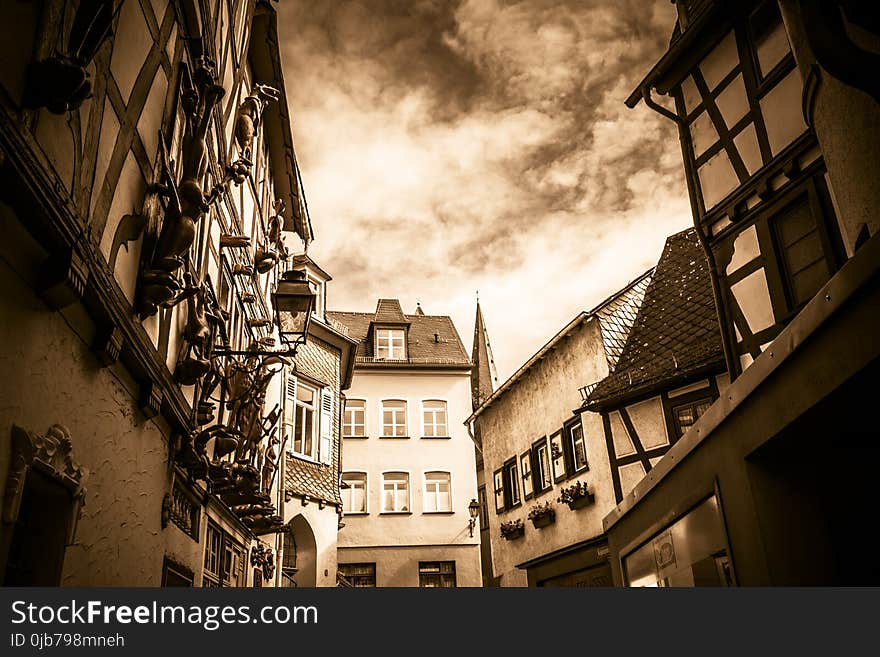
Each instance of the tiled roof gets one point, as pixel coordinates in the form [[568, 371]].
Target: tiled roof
[[431, 339], [617, 316], [618, 312], [676, 333], [389, 310]]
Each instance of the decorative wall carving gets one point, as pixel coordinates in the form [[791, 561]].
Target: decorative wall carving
[[51, 454]]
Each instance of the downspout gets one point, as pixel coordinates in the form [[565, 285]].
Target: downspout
[[684, 138]]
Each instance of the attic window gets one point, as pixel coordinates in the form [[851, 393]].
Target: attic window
[[390, 344]]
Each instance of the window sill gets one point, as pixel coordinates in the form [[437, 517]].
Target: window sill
[[307, 459], [356, 513], [436, 437], [355, 437], [394, 437], [395, 513], [438, 513]]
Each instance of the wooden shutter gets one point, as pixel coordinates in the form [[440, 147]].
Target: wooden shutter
[[325, 453]]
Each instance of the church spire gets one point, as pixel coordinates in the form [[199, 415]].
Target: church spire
[[484, 379]]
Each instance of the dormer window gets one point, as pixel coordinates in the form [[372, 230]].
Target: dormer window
[[391, 344], [318, 287]]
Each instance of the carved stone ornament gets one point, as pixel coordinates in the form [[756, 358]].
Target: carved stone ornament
[[49, 453]]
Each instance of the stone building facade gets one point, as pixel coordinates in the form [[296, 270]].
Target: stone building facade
[[150, 199]]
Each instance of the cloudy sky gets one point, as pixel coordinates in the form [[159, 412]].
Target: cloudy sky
[[452, 146]]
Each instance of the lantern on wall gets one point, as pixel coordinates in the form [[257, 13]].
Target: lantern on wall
[[293, 301]]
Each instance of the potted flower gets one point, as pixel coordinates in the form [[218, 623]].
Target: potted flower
[[576, 496], [512, 529], [542, 515]]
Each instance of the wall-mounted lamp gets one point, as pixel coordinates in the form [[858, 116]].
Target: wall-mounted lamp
[[474, 510], [293, 301]]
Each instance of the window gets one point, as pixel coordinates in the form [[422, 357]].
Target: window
[[175, 575], [484, 508], [359, 575], [288, 561], [578, 447], [498, 479], [768, 36], [437, 574], [224, 559], [317, 286], [354, 492], [686, 415], [390, 344], [299, 418], [354, 424], [438, 492], [308, 420], [394, 418], [434, 419], [541, 467], [525, 468], [395, 492], [511, 484], [557, 456], [805, 266]]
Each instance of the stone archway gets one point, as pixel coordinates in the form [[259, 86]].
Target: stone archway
[[306, 552]]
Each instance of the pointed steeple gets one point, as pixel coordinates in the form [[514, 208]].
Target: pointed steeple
[[484, 379], [419, 310]]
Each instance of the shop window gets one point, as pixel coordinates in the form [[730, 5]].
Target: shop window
[[359, 575], [437, 574], [690, 552]]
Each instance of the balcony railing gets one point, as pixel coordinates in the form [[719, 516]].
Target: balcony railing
[[587, 390]]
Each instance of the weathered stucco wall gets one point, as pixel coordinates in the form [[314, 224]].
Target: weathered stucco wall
[[535, 406], [50, 377]]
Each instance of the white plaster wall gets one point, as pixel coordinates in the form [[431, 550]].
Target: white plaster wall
[[415, 455], [324, 525], [399, 566]]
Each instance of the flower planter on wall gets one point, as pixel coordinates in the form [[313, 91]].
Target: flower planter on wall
[[544, 520], [519, 532], [581, 502]]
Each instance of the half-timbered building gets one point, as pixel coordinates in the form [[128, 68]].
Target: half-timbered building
[[150, 201], [777, 109]]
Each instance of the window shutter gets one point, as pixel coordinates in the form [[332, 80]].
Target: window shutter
[[326, 449]]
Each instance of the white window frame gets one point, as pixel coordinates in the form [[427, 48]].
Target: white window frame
[[391, 347], [425, 491], [408, 508], [345, 492], [345, 422], [394, 424], [290, 421], [434, 423], [318, 311]]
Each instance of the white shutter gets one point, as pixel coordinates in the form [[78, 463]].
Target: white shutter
[[326, 450]]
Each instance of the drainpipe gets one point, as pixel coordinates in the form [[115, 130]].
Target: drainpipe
[[684, 138]]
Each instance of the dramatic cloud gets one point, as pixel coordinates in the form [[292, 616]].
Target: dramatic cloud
[[453, 146]]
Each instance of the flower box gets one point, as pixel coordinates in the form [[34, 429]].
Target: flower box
[[581, 502], [544, 520], [514, 533]]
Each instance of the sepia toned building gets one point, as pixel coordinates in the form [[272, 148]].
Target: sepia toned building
[[151, 203], [409, 486], [777, 109], [545, 465]]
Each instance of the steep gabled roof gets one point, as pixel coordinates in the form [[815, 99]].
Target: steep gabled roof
[[483, 376], [675, 335], [618, 318], [431, 339]]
